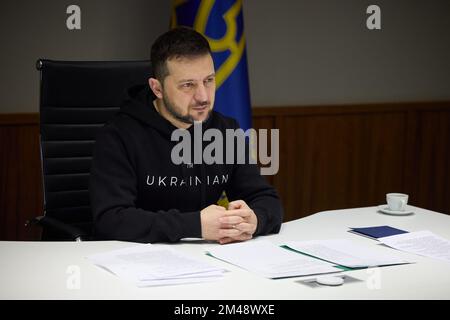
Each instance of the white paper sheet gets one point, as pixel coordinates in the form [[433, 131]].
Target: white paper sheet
[[171, 282], [424, 243], [346, 253], [147, 265], [269, 260]]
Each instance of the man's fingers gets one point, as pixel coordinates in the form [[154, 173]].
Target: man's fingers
[[245, 236], [238, 229], [246, 228], [223, 233], [231, 220], [226, 240], [242, 237], [237, 204], [238, 212]]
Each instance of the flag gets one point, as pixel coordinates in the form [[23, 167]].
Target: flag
[[221, 22]]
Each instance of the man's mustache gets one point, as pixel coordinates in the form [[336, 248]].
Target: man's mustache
[[202, 104]]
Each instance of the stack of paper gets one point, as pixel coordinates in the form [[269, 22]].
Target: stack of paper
[[154, 265], [346, 253], [269, 260]]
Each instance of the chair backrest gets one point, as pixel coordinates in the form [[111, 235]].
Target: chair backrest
[[76, 100]]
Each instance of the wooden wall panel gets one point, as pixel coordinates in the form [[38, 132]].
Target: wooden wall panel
[[331, 157], [340, 161], [350, 156], [20, 180], [430, 180], [8, 183], [265, 122], [29, 197]]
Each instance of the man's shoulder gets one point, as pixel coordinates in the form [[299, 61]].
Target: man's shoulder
[[120, 121], [119, 125]]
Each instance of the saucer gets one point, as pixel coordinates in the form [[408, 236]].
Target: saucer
[[385, 209]]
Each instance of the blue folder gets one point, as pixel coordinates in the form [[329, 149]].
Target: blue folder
[[377, 232]]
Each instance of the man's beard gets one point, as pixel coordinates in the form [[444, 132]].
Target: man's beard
[[177, 115]]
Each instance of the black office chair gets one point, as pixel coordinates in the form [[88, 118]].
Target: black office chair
[[76, 100]]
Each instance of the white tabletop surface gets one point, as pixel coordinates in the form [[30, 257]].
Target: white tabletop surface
[[43, 270]]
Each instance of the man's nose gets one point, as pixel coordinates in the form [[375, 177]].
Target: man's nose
[[201, 95]]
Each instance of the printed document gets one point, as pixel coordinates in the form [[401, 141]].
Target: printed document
[[347, 253], [424, 243], [148, 265], [269, 260]]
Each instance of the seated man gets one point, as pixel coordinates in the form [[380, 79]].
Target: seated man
[[137, 191]]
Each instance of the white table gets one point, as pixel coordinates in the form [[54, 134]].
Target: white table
[[43, 270]]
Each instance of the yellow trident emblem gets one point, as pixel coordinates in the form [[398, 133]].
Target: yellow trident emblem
[[227, 42]]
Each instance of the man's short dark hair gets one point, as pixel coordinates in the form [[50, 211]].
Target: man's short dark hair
[[178, 42]]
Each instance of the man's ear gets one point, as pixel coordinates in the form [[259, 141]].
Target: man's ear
[[156, 87]]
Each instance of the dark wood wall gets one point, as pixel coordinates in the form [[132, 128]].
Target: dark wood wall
[[331, 157], [20, 175], [351, 156]]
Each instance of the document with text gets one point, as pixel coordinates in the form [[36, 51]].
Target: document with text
[[424, 243], [347, 253], [150, 265], [269, 260]]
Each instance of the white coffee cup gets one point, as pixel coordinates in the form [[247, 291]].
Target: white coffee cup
[[397, 201]]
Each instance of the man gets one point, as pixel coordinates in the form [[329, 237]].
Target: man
[[139, 194]]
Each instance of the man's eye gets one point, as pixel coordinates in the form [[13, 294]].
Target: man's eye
[[188, 85], [209, 80]]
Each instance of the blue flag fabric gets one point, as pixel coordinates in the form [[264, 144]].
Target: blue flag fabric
[[221, 22]]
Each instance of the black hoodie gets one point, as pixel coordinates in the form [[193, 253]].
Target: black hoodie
[[138, 194]]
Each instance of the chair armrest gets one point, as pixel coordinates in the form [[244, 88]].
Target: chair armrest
[[74, 233]]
